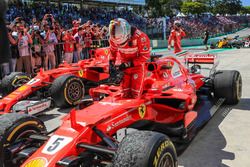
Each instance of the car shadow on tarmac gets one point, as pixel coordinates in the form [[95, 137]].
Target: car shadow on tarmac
[[244, 104], [206, 150], [45, 117]]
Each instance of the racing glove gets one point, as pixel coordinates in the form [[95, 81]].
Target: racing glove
[[124, 66]]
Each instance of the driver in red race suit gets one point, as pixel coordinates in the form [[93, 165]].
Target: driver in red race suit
[[176, 35], [132, 47]]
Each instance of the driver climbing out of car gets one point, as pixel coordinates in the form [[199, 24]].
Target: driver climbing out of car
[[131, 47]]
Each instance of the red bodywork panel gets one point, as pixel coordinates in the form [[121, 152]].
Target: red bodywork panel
[[87, 69], [169, 93]]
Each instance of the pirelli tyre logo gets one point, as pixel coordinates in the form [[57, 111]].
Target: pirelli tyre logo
[[142, 110]]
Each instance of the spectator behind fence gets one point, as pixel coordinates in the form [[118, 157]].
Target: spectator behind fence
[[36, 49], [24, 39], [13, 38], [68, 46], [79, 43], [87, 37], [49, 47]]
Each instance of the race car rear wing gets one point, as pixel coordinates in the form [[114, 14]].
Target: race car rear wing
[[200, 59]]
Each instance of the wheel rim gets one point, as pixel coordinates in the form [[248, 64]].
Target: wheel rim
[[166, 160], [25, 134], [74, 91], [239, 87], [21, 138]]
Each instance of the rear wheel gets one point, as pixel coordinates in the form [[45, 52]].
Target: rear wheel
[[13, 81], [16, 128], [145, 148], [228, 85], [67, 90]]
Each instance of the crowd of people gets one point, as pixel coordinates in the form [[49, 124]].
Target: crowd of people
[[195, 26], [45, 43], [65, 14]]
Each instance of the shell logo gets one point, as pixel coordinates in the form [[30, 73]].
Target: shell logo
[[37, 162]]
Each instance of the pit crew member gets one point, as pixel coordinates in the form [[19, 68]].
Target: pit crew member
[[176, 35]]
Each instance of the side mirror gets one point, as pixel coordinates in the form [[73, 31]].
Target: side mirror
[[85, 103], [195, 69], [152, 67]]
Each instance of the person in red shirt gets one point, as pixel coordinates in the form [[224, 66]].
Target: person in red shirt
[[76, 25], [87, 38], [131, 47], [68, 46], [176, 35]]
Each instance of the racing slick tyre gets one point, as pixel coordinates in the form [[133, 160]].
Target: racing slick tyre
[[228, 85], [16, 128], [13, 81], [145, 148], [67, 90]]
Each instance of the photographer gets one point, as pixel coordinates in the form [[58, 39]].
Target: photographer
[[59, 47], [176, 35], [49, 20], [49, 47], [79, 43], [36, 47], [13, 38], [24, 39]]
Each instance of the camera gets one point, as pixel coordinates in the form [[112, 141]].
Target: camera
[[36, 28], [49, 16]]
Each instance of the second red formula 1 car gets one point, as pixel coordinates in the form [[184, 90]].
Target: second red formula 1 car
[[65, 85], [115, 131]]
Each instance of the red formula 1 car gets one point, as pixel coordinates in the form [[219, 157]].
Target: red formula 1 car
[[122, 132], [65, 86]]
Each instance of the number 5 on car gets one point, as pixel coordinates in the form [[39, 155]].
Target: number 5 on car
[[55, 144]]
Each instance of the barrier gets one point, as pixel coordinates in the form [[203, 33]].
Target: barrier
[[157, 44]]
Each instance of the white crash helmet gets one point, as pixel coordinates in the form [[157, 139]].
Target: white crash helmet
[[177, 23], [120, 31]]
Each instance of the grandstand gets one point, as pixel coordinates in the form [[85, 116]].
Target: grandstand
[[102, 11], [97, 3]]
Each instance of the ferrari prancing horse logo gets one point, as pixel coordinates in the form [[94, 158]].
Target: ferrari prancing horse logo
[[80, 73], [142, 110]]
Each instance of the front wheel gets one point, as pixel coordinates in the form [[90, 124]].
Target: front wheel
[[15, 130], [146, 148], [13, 81], [67, 90]]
